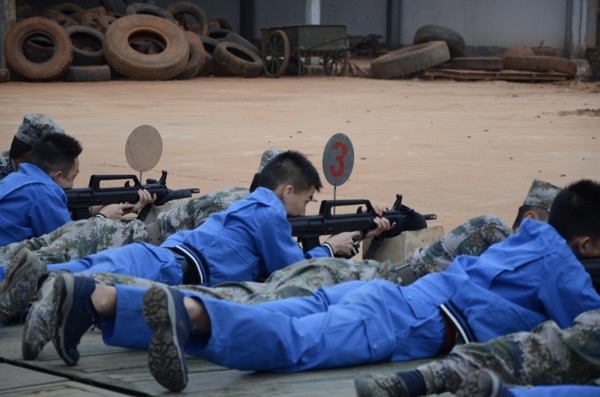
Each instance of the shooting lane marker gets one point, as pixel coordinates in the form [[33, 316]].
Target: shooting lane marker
[[338, 160], [143, 148]]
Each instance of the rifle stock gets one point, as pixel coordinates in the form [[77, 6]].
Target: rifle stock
[[308, 229], [79, 200]]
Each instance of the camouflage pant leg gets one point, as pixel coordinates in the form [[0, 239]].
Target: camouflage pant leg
[[471, 238], [190, 213], [547, 355], [78, 239], [299, 279]]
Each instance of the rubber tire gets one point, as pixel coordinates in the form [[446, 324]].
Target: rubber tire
[[238, 59], [218, 34], [38, 49], [455, 42], [149, 9], [478, 63], [127, 61], [4, 75], [211, 67], [54, 67], [180, 8], [84, 37], [410, 60], [546, 51], [518, 52], [104, 22], [238, 39], [196, 59], [88, 73], [65, 8], [115, 6], [63, 19], [541, 63]]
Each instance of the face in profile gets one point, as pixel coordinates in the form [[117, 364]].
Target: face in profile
[[295, 202], [67, 181]]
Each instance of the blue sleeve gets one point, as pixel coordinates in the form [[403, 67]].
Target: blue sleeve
[[275, 242], [318, 252], [48, 210], [567, 290]]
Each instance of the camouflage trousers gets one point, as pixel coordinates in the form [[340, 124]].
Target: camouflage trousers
[[81, 238], [471, 238], [547, 355], [303, 278], [299, 279]]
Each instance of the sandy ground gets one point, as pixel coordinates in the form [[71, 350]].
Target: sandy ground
[[457, 149]]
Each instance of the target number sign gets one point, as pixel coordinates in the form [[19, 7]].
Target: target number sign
[[338, 159]]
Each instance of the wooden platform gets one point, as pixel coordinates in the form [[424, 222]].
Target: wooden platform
[[508, 75], [109, 371]]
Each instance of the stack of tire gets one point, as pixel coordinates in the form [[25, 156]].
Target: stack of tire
[[139, 41], [432, 45], [439, 46], [540, 59]]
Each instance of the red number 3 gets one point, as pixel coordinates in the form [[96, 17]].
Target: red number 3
[[340, 159]]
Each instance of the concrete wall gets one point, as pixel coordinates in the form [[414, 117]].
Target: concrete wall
[[506, 23], [569, 25]]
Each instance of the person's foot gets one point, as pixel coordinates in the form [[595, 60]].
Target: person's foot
[[21, 284], [482, 383], [375, 385], [166, 315], [72, 315], [36, 331]]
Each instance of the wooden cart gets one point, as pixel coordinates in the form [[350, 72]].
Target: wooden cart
[[329, 42]]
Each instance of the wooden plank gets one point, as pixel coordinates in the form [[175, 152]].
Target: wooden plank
[[107, 370], [508, 75], [19, 381]]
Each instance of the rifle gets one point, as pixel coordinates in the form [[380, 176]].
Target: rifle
[[592, 266], [307, 229], [81, 199]]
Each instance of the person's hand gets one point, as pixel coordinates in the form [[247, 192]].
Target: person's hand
[[342, 244], [115, 211], [381, 225], [145, 199]]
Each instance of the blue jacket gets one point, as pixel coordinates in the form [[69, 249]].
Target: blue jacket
[[531, 277], [252, 238], [31, 204]]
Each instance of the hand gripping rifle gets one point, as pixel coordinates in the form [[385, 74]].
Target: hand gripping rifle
[[81, 199], [308, 229]]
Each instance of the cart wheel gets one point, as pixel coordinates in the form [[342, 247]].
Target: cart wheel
[[276, 54], [337, 64]]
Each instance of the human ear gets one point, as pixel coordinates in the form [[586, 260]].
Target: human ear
[[287, 190], [530, 215], [56, 175]]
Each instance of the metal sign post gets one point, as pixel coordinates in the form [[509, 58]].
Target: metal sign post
[[338, 160]]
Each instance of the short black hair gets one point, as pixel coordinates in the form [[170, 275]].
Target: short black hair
[[292, 168], [576, 210], [18, 148], [55, 152]]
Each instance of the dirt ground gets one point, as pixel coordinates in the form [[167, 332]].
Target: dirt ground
[[457, 149]]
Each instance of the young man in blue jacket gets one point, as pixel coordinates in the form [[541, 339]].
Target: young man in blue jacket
[[249, 240], [532, 276]]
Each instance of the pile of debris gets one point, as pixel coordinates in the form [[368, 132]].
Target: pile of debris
[[139, 41], [438, 51]]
